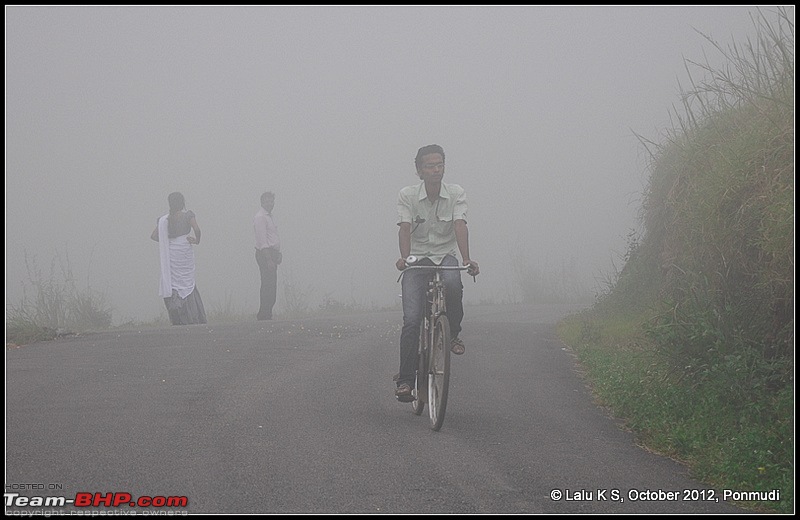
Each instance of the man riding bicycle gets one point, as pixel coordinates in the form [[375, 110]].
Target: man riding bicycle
[[432, 217]]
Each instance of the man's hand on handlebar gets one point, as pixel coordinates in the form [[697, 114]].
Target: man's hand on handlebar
[[402, 263], [472, 268]]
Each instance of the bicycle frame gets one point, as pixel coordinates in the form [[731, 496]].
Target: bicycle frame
[[435, 301], [433, 352]]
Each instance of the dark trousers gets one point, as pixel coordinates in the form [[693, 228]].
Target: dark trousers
[[269, 283], [415, 287]]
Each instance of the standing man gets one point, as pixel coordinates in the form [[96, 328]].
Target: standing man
[[268, 254], [432, 217]]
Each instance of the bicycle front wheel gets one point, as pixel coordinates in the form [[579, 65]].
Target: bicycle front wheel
[[439, 372], [421, 382]]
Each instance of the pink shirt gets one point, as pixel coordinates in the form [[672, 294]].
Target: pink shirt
[[266, 231]]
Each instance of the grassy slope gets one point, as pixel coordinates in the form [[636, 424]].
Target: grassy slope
[[694, 343]]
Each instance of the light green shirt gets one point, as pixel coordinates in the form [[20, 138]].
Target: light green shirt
[[433, 234]]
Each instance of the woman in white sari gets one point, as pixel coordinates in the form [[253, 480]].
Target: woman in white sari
[[177, 282]]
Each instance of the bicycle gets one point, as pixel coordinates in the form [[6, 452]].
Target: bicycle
[[433, 354]]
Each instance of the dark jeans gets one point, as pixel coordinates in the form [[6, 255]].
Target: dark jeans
[[415, 287], [269, 283]]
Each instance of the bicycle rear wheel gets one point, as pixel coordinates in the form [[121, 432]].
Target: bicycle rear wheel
[[421, 382], [439, 372]]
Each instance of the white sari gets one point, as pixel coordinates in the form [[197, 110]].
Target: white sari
[[177, 263]]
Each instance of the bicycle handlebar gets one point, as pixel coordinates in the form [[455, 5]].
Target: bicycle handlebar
[[438, 267], [412, 259]]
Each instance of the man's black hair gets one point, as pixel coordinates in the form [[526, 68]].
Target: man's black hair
[[425, 150]]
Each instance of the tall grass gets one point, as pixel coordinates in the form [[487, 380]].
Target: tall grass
[[707, 372], [720, 210], [53, 304]]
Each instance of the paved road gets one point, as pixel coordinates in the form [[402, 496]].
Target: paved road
[[299, 417]]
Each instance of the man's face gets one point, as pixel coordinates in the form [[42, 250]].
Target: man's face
[[268, 204], [431, 167]]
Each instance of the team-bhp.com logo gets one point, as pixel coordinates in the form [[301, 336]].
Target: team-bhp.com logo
[[94, 500]]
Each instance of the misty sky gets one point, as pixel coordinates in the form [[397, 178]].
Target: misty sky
[[109, 109]]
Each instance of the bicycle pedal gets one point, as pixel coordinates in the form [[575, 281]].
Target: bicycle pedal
[[405, 398]]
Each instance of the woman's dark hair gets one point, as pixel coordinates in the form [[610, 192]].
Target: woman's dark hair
[[176, 202], [425, 150]]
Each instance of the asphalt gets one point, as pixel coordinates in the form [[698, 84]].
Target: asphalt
[[299, 417]]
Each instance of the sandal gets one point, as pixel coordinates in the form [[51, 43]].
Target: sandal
[[457, 346], [403, 393]]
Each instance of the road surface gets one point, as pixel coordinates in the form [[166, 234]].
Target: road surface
[[298, 416]]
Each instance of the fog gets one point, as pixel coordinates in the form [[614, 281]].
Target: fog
[[109, 109]]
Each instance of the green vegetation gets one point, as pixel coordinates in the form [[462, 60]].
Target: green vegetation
[[693, 344]]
